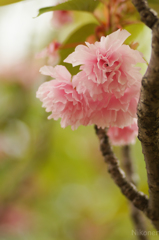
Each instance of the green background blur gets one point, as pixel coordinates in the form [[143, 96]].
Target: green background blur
[[54, 183]]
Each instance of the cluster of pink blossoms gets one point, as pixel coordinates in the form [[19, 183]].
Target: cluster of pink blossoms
[[106, 90]]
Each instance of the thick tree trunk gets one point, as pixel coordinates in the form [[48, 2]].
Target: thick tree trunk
[[148, 112]]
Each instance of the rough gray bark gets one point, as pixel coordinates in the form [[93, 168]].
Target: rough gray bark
[[148, 15], [148, 111]]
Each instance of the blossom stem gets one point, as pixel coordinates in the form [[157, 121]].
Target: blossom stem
[[146, 61]]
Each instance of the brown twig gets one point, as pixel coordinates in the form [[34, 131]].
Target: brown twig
[[138, 199], [136, 215]]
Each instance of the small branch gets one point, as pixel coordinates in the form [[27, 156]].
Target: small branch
[[128, 164], [148, 15], [138, 199], [136, 215]]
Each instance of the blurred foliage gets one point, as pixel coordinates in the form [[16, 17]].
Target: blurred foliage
[[54, 182], [6, 2], [154, 5], [72, 5], [153, 1]]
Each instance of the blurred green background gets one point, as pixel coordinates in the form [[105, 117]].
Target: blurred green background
[[54, 183]]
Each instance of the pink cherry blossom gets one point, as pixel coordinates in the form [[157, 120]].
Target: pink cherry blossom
[[118, 112], [108, 65], [106, 109], [51, 52], [106, 90], [61, 17], [60, 98], [123, 136]]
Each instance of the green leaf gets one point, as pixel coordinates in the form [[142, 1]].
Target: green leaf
[[7, 2], [77, 36], [72, 5]]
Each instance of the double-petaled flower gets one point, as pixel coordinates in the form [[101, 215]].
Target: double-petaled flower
[[106, 90]]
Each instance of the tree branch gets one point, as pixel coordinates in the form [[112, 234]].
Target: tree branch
[[136, 215], [127, 164], [138, 199], [148, 15], [148, 113]]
